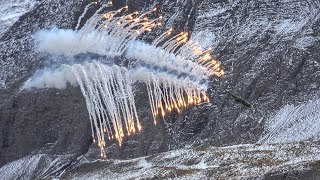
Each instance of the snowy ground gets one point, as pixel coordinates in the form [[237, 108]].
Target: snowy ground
[[11, 10], [240, 162], [283, 148], [294, 123]]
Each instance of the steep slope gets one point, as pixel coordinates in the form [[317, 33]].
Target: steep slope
[[23, 127], [293, 124], [295, 160], [278, 161], [10, 12], [269, 49]]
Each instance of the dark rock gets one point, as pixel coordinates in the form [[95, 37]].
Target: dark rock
[[304, 174], [40, 122]]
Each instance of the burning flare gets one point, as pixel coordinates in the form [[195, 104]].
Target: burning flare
[[174, 69]]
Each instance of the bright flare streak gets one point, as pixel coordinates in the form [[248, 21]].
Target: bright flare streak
[[108, 93]]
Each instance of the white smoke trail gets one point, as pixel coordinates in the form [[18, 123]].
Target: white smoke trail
[[175, 73], [108, 94], [112, 35], [143, 74], [70, 43], [168, 92], [83, 14], [60, 77], [109, 100], [51, 78], [56, 41], [158, 57]]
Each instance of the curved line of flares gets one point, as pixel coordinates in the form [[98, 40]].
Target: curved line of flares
[[171, 96]]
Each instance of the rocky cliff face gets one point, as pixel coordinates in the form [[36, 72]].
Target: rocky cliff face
[[269, 49]]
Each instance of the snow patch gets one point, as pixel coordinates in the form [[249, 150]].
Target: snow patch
[[11, 10], [294, 123], [289, 26], [206, 38], [24, 167], [144, 164], [305, 42]]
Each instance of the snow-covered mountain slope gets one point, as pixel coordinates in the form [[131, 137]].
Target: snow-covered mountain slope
[[11, 10], [38, 166], [270, 51], [268, 48], [294, 123], [234, 162], [17, 53], [278, 161]]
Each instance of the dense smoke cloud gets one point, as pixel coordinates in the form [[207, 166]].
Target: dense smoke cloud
[[55, 41], [70, 43], [158, 57], [51, 78]]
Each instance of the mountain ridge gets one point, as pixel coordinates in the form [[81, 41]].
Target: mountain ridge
[[269, 49]]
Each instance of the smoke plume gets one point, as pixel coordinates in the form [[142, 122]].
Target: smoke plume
[[51, 78]]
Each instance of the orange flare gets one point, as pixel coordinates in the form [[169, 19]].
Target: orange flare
[[139, 127]]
